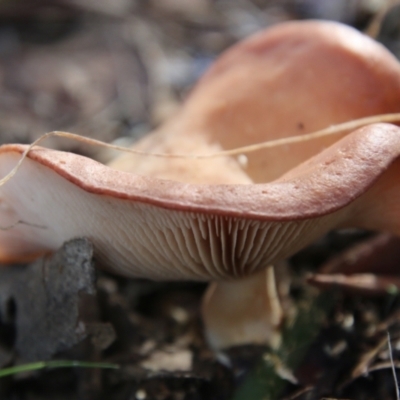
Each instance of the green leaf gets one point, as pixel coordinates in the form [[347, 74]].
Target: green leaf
[[54, 364]]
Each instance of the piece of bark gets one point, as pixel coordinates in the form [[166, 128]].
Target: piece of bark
[[44, 299]]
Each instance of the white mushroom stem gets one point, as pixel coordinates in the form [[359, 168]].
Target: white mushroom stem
[[243, 311]]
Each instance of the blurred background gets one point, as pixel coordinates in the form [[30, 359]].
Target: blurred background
[[118, 68]]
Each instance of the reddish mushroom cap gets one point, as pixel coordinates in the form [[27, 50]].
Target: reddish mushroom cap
[[161, 229], [288, 80]]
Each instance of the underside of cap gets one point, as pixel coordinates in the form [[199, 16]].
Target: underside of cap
[[160, 229]]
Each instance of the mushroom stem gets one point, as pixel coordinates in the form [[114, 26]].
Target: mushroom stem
[[243, 311]]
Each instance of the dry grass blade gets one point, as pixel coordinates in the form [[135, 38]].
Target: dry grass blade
[[334, 129]]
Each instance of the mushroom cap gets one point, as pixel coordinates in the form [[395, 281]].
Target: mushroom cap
[[148, 227], [293, 78]]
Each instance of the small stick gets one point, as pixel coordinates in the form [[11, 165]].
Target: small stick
[[375, 25], [393, 368]]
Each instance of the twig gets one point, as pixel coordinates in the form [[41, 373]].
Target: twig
[[393, 367]]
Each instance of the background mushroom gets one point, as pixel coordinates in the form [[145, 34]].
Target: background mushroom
[[291, 79], [216, 224]]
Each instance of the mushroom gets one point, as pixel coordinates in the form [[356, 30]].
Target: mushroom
[[220, 219]]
